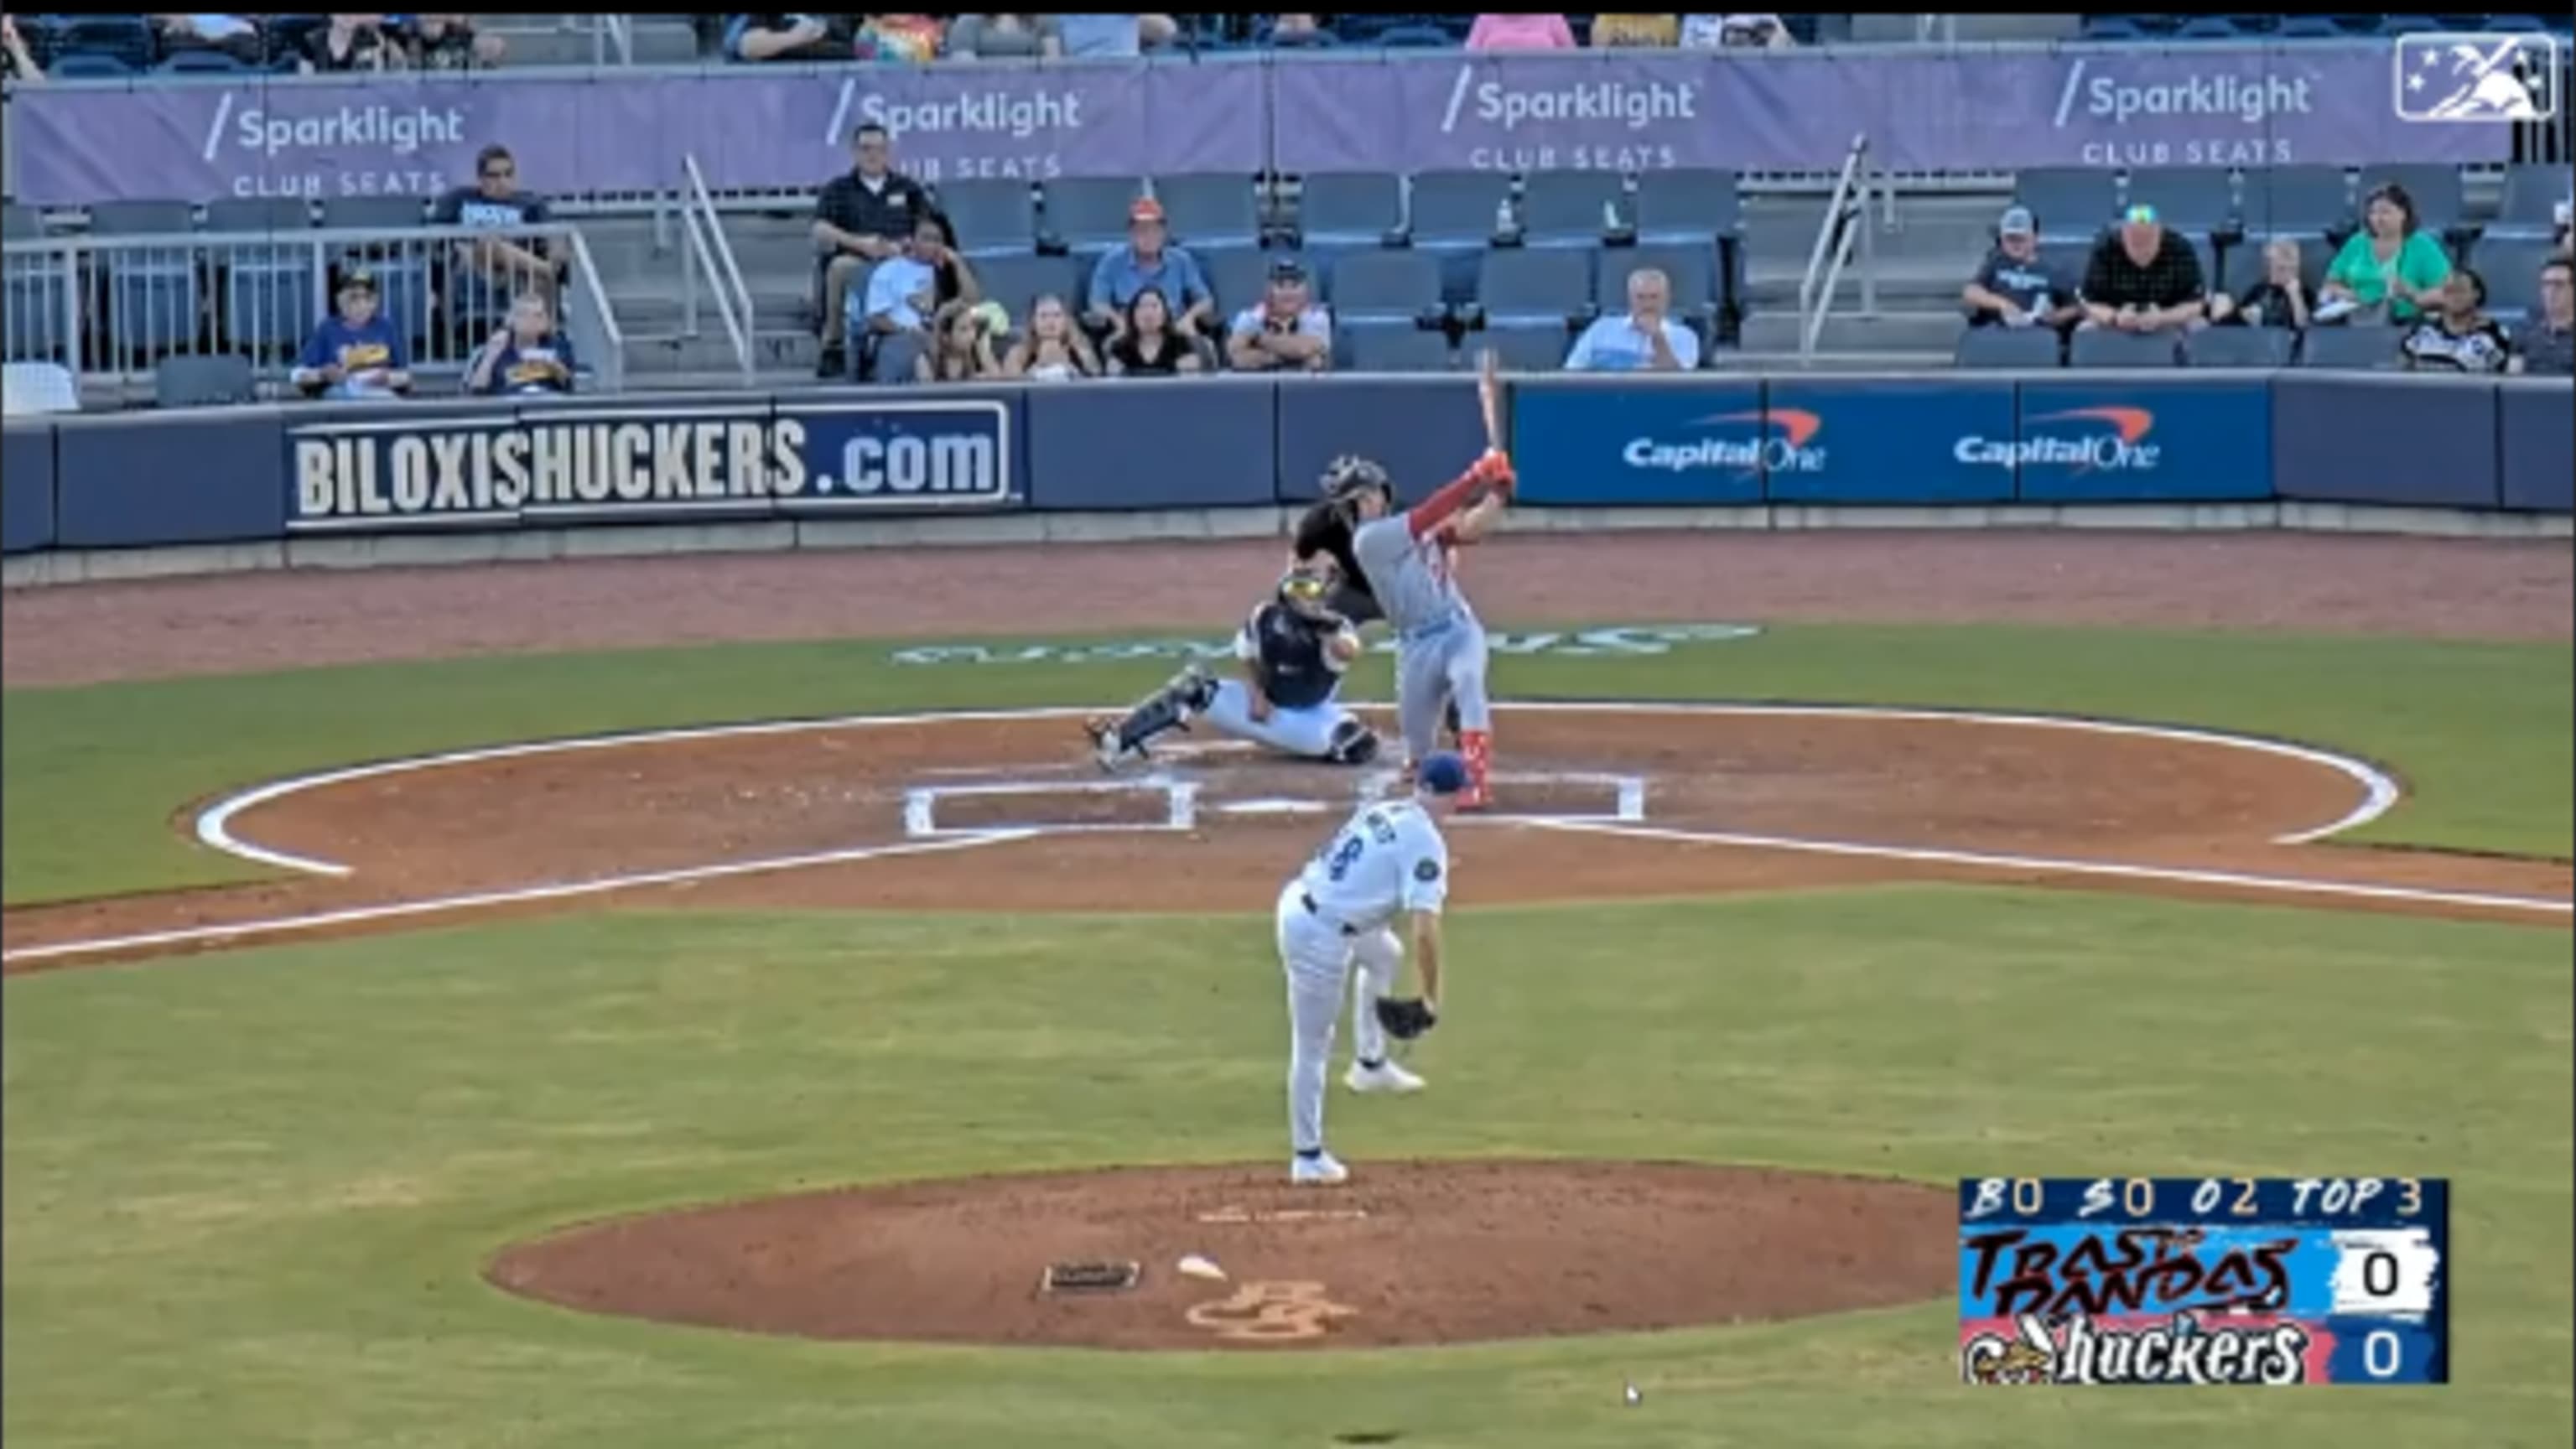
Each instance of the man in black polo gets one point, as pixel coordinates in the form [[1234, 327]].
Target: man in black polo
[[2144, 278], [863, 216]]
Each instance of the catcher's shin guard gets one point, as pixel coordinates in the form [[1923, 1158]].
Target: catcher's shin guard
[[1478, 747], [1182, 696]]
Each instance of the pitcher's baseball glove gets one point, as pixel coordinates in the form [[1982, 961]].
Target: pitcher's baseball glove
[[1405, 1017]]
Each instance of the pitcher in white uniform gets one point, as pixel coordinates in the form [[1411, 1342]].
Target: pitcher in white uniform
[[1387, 861]]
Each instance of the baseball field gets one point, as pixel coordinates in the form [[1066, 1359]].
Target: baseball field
[[694, 1001]]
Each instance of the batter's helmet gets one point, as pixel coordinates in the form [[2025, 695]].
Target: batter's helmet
[[1349, 476]]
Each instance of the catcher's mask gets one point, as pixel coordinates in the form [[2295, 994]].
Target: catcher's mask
[[1303, 591], [1349, 477]]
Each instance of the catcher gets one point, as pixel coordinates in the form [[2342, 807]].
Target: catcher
[[1387, 860], [1292, 653]]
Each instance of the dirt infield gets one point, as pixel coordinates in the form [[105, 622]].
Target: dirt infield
[[1406, 1253]]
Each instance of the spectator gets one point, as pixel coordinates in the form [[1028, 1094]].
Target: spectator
[[350, 42], [908, 39], [1636, 31], [2566, 242], [16, 66], [787, 37], [2143, 278], [963, 351], [233, 35], [1286, 330], [1297, 30], [1052, 349], [359, 353], [2460, 337], [2279, 300], [1520, 32], [1114, 37], [1147, 344], [1644, 339], [1016, 37], [2547, 346], [488, 269], [1147, 259], [903, 295], [450, 42], [525, 358], [1735, 32], [861, 217], [2016, 287], [2389, 265]]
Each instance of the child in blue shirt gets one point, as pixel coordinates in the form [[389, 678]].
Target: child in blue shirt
[[527, 358], [357, 354]]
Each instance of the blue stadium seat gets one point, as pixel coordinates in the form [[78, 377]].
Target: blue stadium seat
[[2210, 27], [2511, 267], [1241, 275], [2309, 27], [1389, 347], [2195, 199], [2304, 200], [268, 297], [2239, 347], [1090, 213], [200, 61], [1532, 346], [1571, 208], [1210, 210], [2350, 348], [404, 295], [1017, 281], [215, 380], [126, 38], [152, 304], [1516, 285], [1456, 208], [991, 218], [2532, 195], [1385, 286], [2100, 347], [2071, 203], [362, 212], [1687, 206], [1350, 208], [2010, 349], [259, 216], [88, 65], [1415, 37], [34, 292]]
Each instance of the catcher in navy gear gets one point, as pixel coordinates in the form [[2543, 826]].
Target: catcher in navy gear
[[1290, 656]]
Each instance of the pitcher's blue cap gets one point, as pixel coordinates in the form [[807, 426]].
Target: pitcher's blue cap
[[1442, 773]]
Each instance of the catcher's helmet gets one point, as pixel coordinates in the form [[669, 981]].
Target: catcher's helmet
[[1349, 476]]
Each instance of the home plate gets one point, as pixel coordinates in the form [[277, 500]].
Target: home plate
[[1273, 807]]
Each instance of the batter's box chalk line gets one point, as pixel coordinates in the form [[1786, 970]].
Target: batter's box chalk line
[[1180, 806]]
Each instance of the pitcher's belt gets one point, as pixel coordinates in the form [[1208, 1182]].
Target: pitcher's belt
[[1308, 902]]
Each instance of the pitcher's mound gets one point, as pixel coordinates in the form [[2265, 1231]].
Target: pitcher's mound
[[1405, 1253]]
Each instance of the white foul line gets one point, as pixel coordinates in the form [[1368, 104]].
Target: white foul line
[[518, 895], [2290, 885], [214, 825]]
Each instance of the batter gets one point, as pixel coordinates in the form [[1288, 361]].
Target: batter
[[1387, 860], [1440, 644], [1291, 654], [1323, 541]]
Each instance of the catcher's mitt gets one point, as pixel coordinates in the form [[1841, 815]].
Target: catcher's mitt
[[1405, 1017]]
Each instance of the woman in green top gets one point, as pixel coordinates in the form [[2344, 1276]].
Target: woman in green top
[[2389, 260]]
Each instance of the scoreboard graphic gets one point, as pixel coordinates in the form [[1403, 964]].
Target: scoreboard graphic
[[2214, 1280]]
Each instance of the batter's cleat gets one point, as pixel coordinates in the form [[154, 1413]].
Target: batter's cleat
[[1319, 1169], [1384, 1077]]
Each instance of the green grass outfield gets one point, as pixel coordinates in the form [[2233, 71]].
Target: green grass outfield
[[247, 1196]]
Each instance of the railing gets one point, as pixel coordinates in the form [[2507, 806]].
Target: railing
[[1845, 221], [109, 308], [710, 261]]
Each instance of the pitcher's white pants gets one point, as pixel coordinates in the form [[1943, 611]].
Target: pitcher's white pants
[[1317, 958]]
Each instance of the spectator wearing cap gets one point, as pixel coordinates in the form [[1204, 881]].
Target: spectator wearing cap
[[2546, 346], [863, 215], [2391, 262], [1520, 32], [357, 352], [1148, 259], [2016, 287], [1286, 331], [1645, 338], [2144, 278]]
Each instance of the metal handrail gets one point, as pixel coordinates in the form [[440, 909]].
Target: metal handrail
[[711, 252], [1833, 244], [594, 327]]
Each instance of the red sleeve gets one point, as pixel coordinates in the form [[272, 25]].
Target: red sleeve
[[1433, 511]]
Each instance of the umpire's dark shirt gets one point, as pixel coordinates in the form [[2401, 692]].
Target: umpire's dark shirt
[[886, 211], [1293, 672], [1323, 530]]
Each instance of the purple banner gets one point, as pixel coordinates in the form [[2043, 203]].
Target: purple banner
[[765, 127], [607, 131]]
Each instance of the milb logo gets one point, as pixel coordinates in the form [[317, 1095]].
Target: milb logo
[[2116, 441], [1779, 440]]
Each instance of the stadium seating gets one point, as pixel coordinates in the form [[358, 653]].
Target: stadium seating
[[2439, 203], [1385, 286], [152, 292], [991, 218], [1526, 346], [126, 39], [2511, 267], [1089, 214], [1389, 347], [1210, 211], [267, 293], [1688, 206], [1017, 281], [2350, 348], [2297, 200], [2009, 349], [1457, 208], [1349, 209], [2239, 347], [1519, 287], [215, 380], [2071, 204], [2196, 199], [2100, 347], [1239, 276], [1571, 208], [2532, 195]]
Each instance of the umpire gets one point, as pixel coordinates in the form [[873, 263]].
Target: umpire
[[1325, 530]]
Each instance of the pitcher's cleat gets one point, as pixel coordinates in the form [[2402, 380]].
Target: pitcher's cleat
[[1382, 1077], [1317, 1169]]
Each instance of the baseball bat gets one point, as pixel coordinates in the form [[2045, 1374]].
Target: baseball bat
[[1489, 395]]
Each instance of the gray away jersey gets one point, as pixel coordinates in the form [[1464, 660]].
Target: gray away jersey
[[1409, 575]]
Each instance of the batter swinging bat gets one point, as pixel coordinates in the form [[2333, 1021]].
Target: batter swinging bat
[[1489, 395]]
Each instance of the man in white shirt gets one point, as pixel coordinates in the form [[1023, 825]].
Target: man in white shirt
[[1644, 339], [1387, 860], [1286, 330]]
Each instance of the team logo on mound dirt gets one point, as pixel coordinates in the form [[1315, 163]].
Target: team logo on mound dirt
[[1266, 1311]]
